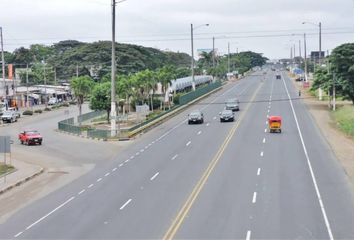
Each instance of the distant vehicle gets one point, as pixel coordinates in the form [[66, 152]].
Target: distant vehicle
[[227, 116], [232, 104], [195, 117], [9, 116], [30, 137], [15, 111], [278, 76], [299, 79], [274, 124], [52, 101]]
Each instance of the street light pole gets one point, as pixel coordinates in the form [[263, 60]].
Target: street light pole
[[113, 73], [305, 57], [3, 62], [320, 43], [192, 48], [228, 57], [214, 52]]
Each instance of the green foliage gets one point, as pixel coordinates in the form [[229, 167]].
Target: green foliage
[[342, 64], [101, 98], [47, 109], [27, 112], [82, 87], [344, 117], [38, 111]]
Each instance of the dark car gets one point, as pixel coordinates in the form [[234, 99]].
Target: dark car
[[227, 116], [232, 104], [278, 76], [195, 117]]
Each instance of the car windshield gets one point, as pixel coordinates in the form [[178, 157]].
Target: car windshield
[[31, 133], [195, 114]]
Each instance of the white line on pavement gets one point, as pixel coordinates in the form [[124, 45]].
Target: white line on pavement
[[120, 165], [127, 160], [267, 116], [262, 154], [268, 110], [81, 192], [142, 150], [18, 234], [137, 153], [98, 180], [174, 157], [189, 142], [153, 177], [258, 171], [214, 118], [199, 132], [329, 230], [266, 122], [125, 204], [207, 124], [114, 169], [263, 140], [146, 147], [90, 186], [265, 130], [248, 236], [51, 212], [107, 174], [131, 157], [254, 199]]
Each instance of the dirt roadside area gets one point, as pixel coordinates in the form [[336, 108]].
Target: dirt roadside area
[[341, 144]]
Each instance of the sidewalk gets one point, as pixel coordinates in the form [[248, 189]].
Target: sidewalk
[[23, 173]]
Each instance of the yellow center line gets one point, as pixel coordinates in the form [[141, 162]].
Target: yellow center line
[[172, 230]]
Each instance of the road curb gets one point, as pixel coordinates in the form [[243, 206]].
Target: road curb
[[22, 181]]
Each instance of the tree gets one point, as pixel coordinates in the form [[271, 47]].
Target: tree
[[82, 87], [342, 65], [101, 98]]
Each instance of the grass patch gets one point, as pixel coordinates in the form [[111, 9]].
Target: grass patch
[[344, 117], [5, 168]]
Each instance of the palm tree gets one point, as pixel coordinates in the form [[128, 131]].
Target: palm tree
[[82, 87]]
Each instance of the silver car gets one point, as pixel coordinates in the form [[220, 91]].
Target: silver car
[[195, 117], [227, 116], [9, 116]]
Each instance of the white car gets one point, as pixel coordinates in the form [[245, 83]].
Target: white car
[[9, 116], [52, 101], [17, 113]]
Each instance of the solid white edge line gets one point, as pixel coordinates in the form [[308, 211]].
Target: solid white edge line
[[81, 192], [18, 234], [248, 236], [258, 171], [51, 212], [329, 230], [153, 177], [125, 204], [254, 199]]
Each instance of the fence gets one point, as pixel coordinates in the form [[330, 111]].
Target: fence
[[90, 115], [67, 125], [186, 98]]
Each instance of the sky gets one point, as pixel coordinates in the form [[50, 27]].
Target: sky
[[270, 27]]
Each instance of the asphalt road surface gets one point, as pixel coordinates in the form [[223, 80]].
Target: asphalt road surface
[[215, 180]]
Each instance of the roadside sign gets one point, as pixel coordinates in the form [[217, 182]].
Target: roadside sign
[[5, 144]]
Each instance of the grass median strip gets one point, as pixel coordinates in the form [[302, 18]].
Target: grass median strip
[[5, 168]]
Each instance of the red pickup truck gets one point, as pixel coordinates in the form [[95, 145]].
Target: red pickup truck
[[30, 137]]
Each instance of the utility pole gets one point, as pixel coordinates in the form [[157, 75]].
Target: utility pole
[[3, 63], [320, 44], [27, 93], [192, 48], [300, 49], [334, 91], [113, 73], [45, 88], [305, 57], [228, 57], [214, 52]]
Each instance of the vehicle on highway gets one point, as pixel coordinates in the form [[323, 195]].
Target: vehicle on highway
[[278, 76], [232, 104], [227, 116], [30, 137], [274, 124], [195, 117], [52, 101], [9, 117]]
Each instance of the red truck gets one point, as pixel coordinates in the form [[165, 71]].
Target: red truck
[[30, 137]]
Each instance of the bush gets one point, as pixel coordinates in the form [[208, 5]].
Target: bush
[[47, 109], [73, 102], [38, 111], [28, 112], [176, 98], [65, 104]]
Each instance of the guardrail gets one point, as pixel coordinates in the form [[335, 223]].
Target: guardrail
[[67, 125], [186, 98], [90, 115]]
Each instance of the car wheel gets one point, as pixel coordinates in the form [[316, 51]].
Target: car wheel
[[21, 142], [189, 122]]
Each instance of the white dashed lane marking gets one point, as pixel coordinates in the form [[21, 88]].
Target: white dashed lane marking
[[81, 192], [90, 186], [248, 236], [98, 180], [174, 157], [125, 204], [107, 174], [18, 234], [199, 132], [264, 140], [114, 169], [254, 199], [189, 142], [261, 154], [258, 171], [153, 177], [120, 165]]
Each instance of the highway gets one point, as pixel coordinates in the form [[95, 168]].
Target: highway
[[210, 181]]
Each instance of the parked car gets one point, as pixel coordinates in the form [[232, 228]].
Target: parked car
[[15, 111], [52, 101], [232, 104], [9, 116], [227, 116], [30, 137], [195, 117]]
